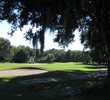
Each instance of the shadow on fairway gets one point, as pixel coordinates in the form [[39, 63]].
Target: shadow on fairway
[[10, 89], [97, 67], [56, 74], [87, 64], [29, 68]]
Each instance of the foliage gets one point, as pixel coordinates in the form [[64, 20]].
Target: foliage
[[5, 50], [43, 14], [68, 56], [22, 54], [62, 19], [59, 54], [65, 56], [10, 53], [50, 58]]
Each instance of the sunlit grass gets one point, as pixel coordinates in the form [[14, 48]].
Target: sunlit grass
[[53, 67], [8, 66], [70, 66]]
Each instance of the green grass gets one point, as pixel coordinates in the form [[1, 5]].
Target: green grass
[[8, 66], [54, 66], [70, 66], [10, 89]]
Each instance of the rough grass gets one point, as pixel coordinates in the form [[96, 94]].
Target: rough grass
[[54, 66]]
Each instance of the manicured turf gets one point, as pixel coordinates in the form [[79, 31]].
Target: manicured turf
[[70, 66], [10, 89], [54, 66], [8, 66]]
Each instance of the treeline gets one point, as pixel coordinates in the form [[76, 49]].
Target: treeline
[[24, 54], [20, 54], [54, 55]]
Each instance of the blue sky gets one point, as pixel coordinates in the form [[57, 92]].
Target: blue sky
[[17, 38]]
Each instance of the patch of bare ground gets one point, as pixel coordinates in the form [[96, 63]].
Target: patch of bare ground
[[22, 72]]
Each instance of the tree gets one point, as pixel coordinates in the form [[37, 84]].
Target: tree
[[95, 33], [42, 14], [15, 51], [58, 54], [65, 56], [22, 54], [68, 56], [50, 58], [63, 16], [5, 50]]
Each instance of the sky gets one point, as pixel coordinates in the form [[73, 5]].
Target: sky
[[18, 38]]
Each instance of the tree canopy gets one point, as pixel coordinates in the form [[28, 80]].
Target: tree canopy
[[5, 47], [62, 16]]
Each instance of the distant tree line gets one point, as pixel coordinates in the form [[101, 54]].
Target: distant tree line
[[23, 54], [55, 55]]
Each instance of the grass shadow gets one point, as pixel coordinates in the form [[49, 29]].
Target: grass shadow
[[56, 74], [10, 89], [92, 66], [97, 90], [97, 67], [35, 68], [82, 63]]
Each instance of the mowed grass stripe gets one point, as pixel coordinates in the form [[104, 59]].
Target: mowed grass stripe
[[54, 66]]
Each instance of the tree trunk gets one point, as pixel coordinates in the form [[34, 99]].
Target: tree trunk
[[108, 67], [108, 72]]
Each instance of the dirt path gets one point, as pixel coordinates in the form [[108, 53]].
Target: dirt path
[[21, 72]]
